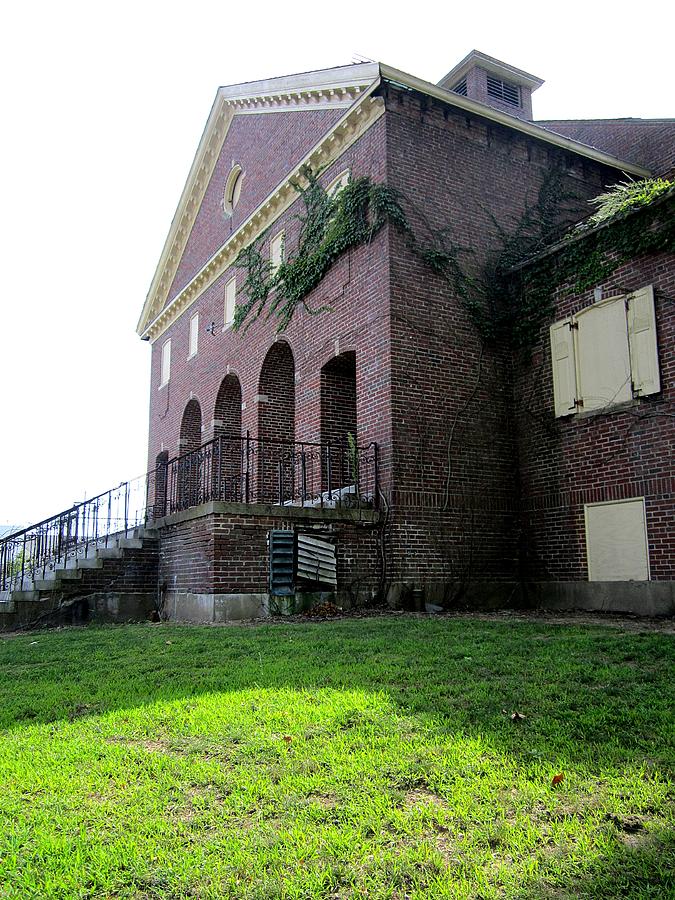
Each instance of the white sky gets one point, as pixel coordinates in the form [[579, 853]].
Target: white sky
[[103, 106]]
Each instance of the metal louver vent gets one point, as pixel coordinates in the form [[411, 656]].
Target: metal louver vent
[[503, 90], [316, 560], [460, 88], [282, 563]]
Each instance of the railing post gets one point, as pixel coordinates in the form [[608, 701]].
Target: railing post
[[126, 506], [376, 476], [303, 471], [280, 470], [328, 474], [23, 559]]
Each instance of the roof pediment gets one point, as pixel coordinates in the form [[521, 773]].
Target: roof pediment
[[335, 88]]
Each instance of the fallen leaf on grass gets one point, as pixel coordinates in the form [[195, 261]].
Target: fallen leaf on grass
[[517, 717], [288, 738], [557, 779]]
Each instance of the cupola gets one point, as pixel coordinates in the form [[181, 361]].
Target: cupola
[[485, 79]]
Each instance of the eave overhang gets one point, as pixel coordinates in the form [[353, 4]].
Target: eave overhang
[[494, 115]]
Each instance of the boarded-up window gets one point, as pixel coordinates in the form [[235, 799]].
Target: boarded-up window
[[166, 364], [194, 335], [616, 541], [230, 300], [603, 363], [605, 354]]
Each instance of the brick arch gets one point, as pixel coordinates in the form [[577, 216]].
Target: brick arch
[[275, 470], [227, 411], [276, 388], [159, 486], [228, 448], [186, 475], [190, 427], [338, 419]]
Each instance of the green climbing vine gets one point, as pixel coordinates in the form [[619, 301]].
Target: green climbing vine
[[587, 257], [502, 304], [329, 226]]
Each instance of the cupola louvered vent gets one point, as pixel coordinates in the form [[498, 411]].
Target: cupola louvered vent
[[503, 90], [460, 88]]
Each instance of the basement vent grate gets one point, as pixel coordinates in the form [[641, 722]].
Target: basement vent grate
[[460, 88], [503, 90]]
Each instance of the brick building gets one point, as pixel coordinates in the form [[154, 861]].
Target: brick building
[[400, 451]]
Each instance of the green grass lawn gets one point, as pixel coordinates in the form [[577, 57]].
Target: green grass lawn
[[357, 758]]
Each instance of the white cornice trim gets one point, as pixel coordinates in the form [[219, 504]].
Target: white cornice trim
[[494, 115], [337, 88], [356, 121]]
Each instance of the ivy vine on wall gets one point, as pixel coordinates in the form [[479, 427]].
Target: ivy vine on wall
[[502, 303]]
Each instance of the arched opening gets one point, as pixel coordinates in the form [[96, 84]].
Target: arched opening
[[161, 477], [338, 421], [186, 474], [276, 426], [227, 446]]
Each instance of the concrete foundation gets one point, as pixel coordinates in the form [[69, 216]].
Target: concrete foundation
[[640, 598]]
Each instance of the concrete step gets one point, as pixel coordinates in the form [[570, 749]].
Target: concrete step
[[68, 574], [7, 606], [109, 553], [130, 543]]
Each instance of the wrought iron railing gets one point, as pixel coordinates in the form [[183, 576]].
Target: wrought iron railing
[[29, 554], [249, 470], [229, 468]]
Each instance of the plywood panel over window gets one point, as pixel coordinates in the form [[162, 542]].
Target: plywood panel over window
[[603, 361], [616, 541]]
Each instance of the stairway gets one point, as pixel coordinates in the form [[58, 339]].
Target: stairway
[[111, 580]]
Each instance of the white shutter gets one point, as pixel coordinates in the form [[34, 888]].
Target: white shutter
[[644, 354], [616, 541], [564, 377], [603, 359]]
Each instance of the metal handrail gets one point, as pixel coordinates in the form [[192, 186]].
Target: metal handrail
[[235, 468]]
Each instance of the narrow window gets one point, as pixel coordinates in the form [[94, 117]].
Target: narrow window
[[230, 297], [194, 335], [166, 364], [277, 251]]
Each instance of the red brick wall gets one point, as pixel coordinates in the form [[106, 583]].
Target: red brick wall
[[228, 553], [356, 292], [455, 467], [613, 455]]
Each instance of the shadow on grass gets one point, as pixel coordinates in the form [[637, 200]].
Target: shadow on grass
[[581, 690]]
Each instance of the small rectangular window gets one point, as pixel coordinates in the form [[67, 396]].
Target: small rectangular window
[[194, 335], [230, 302], [277, 251], [616, 541], [166, 364]]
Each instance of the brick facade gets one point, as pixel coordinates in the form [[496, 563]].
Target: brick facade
[[612, 454], [478, 482]]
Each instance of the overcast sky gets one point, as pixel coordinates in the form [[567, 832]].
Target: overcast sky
[[103, 106]]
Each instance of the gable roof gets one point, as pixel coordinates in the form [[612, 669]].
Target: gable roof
[[350, 87]]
